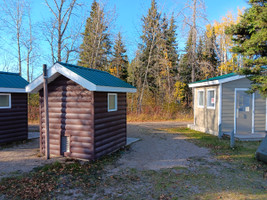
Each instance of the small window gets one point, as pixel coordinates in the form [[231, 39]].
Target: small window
[[200, 98], [5, 101], [211, 99], [112, 102]]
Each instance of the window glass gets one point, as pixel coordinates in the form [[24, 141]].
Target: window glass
[[112, 102], [4, 101], [211, 99], [201, 98]]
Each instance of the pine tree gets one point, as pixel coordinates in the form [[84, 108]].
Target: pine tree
[[150, 51], [119, 63], [209, 59], [250, 36], [96, 46]]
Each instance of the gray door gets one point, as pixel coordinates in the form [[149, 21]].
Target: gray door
[[243, 112]]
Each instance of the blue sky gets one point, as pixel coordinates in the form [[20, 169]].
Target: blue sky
[[128, 19]]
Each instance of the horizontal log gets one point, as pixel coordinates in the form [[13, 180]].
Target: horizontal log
[[81, 139], [110, 139], [68, 115], [109, 145], [110, 124], [70, 99], [22, 122], [71, 132], [82, 145], [70, 127], [3, 112], [82, 105], [109, 114], [21, 129], [70, 110], [104, 109], [110, 150], [55, 152], [69, 121], [81, 156], [14, 135], [53, 141], [109, 119], [13, 139], [109, 129], [109, 134], [15, 126], [81, 150]]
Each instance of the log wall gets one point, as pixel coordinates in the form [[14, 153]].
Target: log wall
[[110, 127], [70, 114], [14, 120]]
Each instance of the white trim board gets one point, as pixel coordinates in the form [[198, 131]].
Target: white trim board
[[220, 106], [216, 82], [13, 90], [57, 70]]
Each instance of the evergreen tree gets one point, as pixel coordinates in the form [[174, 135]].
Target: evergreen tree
[[119, 62], [150, 51], [209, 58], [250, 36], [96, 46]]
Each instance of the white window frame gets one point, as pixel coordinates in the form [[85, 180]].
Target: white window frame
[[198, 91], [211, 107], [116, 102], [9, 96]]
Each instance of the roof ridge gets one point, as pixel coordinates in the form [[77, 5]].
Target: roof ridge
[[11, 73], [86, 68]]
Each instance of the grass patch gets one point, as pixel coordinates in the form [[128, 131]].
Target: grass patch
[[242, 154], [50, 180]]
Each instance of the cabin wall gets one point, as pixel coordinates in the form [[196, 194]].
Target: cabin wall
[[206, 119], [228, 102], [110, 127], [71, 115], [14, 120], [260, 114]]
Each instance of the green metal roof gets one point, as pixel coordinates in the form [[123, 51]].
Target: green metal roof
[[97, 77], [216, 78], [12, 80]]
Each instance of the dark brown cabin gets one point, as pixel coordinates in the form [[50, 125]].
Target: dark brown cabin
[[87, 111], [13, 108]]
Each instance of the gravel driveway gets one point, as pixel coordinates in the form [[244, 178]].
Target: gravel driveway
[[155, 150], [158, 149]]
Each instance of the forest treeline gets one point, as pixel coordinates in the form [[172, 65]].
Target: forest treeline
[[161, 69]]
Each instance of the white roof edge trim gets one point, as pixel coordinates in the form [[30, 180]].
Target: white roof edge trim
[[114, 89], [75, 77], [36, 85], [12, 90], [216, 82]]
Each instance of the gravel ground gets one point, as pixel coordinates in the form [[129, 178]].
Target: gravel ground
[[156, 150]]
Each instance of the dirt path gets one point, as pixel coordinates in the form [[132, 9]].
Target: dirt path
[[158, 149]]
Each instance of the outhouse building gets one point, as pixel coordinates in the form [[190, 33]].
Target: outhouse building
[[222, 105], [87, 111], [13, 108]]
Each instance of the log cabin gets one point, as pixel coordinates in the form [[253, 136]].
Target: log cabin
[[87, 111], [13, 108]]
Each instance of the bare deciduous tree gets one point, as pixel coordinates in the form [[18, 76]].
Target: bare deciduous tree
[[13, 16], [57, 28]]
